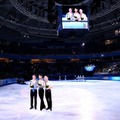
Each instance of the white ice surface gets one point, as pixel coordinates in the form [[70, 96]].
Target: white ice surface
[[91, 100]]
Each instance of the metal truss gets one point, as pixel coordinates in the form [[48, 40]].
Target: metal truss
[[21, 9], [107, 11]]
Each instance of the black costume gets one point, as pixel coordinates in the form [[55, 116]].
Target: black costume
[[48, 95], [33, 94], [41, 95]]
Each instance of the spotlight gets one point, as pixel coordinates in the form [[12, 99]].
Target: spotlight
[[83, 44], [102, 55]]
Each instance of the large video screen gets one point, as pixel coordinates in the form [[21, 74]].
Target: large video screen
[[75, 17]]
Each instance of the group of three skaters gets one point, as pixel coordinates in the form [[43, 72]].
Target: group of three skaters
[[41, 86], [77, 15]]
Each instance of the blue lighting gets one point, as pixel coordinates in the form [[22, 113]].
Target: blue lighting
[[89, 68], [115, 78], [74, 25]]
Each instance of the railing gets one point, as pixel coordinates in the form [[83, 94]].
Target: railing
[[106, 25], [78, 56], [30, 30], [7, 81]]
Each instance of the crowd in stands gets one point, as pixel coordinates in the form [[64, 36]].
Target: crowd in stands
[[109, 68], [55, 71], [13, 70]]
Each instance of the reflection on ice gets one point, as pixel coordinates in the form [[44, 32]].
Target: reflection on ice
[[90, 100]]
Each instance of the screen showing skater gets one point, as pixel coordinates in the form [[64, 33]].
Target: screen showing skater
[[74, 17]]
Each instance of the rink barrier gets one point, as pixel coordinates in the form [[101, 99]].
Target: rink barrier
[[109, 78], [7, 81], [112, 78]]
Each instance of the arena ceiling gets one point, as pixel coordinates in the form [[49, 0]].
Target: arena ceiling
[[36, 17], [36, 13], [25, 23]]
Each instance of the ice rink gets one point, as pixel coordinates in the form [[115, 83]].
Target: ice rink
[[90, 100]]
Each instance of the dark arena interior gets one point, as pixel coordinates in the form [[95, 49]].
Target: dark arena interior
[[76, 43]]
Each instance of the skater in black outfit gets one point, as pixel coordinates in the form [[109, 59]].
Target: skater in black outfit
[[33, 92], [48, 95], [41, 92]]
